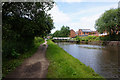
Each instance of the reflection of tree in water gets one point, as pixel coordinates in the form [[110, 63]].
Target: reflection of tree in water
[[109, 60]]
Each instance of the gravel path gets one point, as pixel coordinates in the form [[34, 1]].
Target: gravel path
[[33, 67]]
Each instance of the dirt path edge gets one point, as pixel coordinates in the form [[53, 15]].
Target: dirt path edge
[[34, 67]]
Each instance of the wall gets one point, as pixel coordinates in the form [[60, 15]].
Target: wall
[[72, 33], [82, 33]]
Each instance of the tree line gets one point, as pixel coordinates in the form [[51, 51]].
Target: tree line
[[63, 32], [22, 22]]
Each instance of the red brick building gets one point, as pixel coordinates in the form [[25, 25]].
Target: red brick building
[[95, 33], [72, 33], [83, 32]]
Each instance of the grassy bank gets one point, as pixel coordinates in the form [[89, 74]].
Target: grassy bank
[[9, 65], [63, 65]]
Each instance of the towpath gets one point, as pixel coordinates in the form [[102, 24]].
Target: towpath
[[34, 67]]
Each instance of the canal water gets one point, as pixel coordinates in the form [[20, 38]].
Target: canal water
[[103, 59]]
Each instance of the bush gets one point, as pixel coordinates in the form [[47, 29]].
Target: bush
[[110, 38], [99, 38], [11, 48], [88, 38], [14, 54], [38, 39]]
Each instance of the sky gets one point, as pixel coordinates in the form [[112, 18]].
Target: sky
[[79, 14]]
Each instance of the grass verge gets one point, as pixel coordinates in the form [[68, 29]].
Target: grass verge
[[9, 65], [63, 65]]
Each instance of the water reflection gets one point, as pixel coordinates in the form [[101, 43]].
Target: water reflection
[[103, 59]]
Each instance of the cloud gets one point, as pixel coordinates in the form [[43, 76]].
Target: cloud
[[83, 19], [87, 22], [86, 18], [59, 17]]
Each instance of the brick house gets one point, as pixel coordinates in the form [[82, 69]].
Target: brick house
[[84, 32], [72, 33], [94, 33]]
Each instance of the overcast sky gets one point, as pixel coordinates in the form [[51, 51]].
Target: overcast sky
[[79, 14]]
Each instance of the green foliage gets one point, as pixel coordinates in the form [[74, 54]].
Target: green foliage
[[57, 34], [26, 19], [14, 54], [64, 32], [38, 39], [118, 14], [88, 38], [21, 23], [104, 38], [50, 34], [108, 22], [11, 47], [112, 38], [63, 65], [99, 38]]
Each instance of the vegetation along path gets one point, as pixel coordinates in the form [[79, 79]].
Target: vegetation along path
[[33, 67]]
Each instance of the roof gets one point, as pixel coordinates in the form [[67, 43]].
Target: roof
[[86, 30]]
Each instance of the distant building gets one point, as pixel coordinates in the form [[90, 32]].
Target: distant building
[[83, 32], [95, 33], [72, 33]]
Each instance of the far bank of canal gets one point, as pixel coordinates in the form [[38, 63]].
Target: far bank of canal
[[103, 59]]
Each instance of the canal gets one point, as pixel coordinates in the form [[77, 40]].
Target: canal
[[103, 59]]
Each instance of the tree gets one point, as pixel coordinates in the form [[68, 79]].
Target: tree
[[108, 22], [31, 18], [22, 21], [57, 34], [118, 18], [64, 32]]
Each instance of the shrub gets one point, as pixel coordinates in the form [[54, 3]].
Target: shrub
[[38, 39], [99, 38], [11, 48], [14, 54], [88, 38]]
